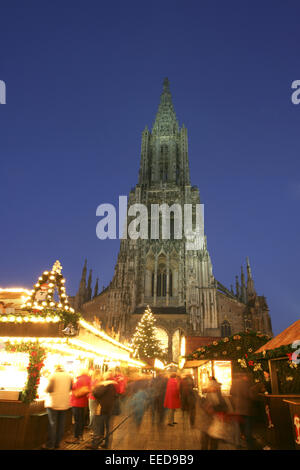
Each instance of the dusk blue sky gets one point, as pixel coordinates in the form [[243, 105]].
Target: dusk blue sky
[[84, 78]]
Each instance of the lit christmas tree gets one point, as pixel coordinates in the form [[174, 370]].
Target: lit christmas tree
[[145, 343]]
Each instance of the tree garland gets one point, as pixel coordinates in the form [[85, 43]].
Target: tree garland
[[287, 369], [240, 349], [232, 348], [65, 316], [37, 355]]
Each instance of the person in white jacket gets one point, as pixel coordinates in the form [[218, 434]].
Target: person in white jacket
[[57, 403]]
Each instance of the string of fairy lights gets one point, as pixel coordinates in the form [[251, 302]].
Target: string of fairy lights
[[40, 307], [45, 289]]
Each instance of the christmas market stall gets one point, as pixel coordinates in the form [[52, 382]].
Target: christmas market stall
[[279, 361], [34, 338], [220, 357]]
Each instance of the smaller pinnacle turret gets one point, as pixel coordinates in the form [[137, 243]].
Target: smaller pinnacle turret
[[243, 287], [250, 283], [96, 287], [237, 287], [89, 287], [81, 293]]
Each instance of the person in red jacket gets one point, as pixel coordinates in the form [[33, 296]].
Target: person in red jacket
[[120, 386], [95, 379], [80, 403], [172, 398]]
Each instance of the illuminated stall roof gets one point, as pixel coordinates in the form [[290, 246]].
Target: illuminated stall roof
[[285, 338], [11, 299], [55, 324], [73, 346]]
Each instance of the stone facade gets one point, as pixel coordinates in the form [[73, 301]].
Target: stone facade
[[176, 282]]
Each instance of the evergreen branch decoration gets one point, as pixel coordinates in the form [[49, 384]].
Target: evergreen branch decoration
[[240, 350], [232, 348], [37, 355]]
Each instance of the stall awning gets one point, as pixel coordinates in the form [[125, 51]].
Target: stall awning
[[196, 363], [286, 337]]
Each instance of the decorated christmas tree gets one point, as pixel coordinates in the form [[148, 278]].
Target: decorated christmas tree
[[145, 343]]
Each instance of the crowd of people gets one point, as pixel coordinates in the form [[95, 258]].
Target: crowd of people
[[96, 397]]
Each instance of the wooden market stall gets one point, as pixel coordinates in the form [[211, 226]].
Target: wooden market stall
[[201, 370], [273, 364], [33, 340], [219, 357], [280, 357]]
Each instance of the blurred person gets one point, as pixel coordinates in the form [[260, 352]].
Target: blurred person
[[215, 406], [79, 402], [139, 400], [188, 397], [158, 387], [105, 394], [92, 402], [242, 395], [120, 387], [172, 398], [57, 403]]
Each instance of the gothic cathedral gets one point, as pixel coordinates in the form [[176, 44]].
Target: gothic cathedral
[[177, 283]]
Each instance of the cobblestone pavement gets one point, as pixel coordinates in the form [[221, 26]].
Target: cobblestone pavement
[[151, 436]]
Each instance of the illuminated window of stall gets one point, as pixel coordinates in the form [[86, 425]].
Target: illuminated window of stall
[[222, 371], [204, 372], [13, 370]]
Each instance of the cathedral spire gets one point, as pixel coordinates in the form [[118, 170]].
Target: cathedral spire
[[164, 149], [166, 121]]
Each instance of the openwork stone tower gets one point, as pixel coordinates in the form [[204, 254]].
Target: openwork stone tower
[[177, 283]]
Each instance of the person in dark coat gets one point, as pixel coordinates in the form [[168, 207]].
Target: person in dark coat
[[105, 394], [172, 398], [214, 405], [188, 397], [242, 395], [158, 388], [138, 404]]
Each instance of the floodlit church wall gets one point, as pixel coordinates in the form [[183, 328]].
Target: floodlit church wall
[[232, 311]]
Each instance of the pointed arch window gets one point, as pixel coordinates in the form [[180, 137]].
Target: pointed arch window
[[225, 329], [161, 290], [164, 166], [161, 283]]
